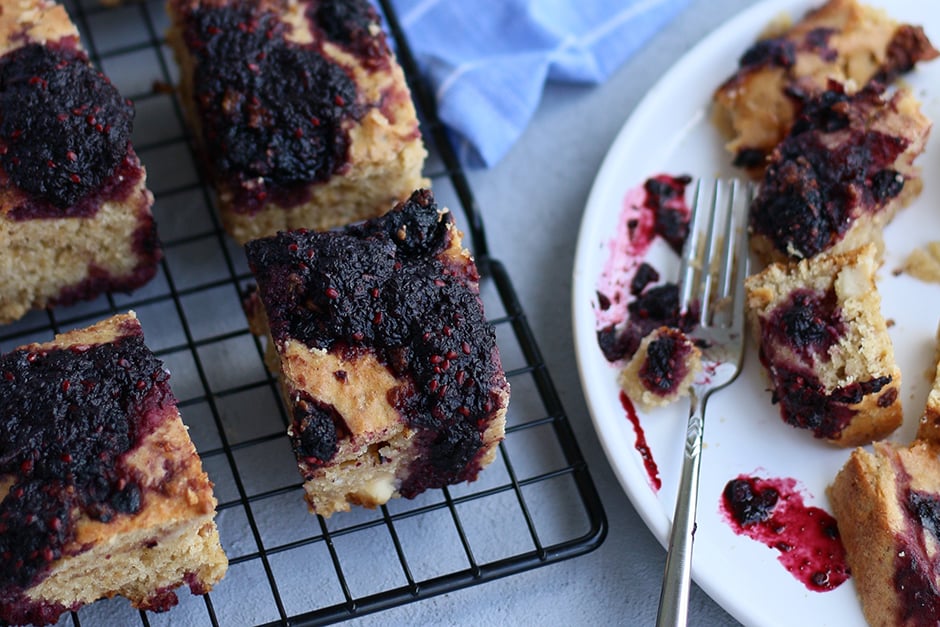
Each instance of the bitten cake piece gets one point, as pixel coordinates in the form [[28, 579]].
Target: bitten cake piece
[[75, 215], [101, 490], [841, 175], [825, 346], [662, 369], [842, 40], [387, 364], [300, 109], [887, 505]]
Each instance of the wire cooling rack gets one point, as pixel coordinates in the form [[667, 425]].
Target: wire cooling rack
[[533, 506]]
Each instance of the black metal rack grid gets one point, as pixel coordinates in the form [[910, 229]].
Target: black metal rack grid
[[535, 505]]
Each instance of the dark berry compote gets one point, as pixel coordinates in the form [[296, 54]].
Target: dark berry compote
[[632, 298], [772, 511], [64, 133]]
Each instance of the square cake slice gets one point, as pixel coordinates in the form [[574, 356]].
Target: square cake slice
[[825, 346], [841, 175], [75, 216], [101, 490], [301, 111], [841, 40], [387, 364], [887, 506]]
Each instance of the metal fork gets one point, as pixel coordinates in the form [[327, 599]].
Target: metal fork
[[711, 290]]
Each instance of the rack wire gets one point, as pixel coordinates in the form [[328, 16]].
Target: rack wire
[[535, 505]]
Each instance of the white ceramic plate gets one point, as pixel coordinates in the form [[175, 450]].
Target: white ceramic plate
[[670, 132]]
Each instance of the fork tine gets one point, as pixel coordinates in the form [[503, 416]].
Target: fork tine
[[709, 278], [726, 273], [705, 263], [690, 250], [743, 256]]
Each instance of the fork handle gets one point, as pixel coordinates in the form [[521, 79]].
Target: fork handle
[[677, 580]]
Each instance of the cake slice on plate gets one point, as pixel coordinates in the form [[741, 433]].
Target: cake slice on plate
[[825, 346], [842, 40], [887, 505]]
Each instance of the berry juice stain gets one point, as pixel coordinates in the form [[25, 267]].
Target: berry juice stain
[[631, 300], [641, 445], [772, 512]]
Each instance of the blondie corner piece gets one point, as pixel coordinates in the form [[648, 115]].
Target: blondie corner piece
[[841, 40], [887, 505], [102, 492], [825, 346], [387, 364], [300, 108], [75, 217]]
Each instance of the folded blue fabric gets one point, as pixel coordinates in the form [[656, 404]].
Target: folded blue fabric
[[488, 60]]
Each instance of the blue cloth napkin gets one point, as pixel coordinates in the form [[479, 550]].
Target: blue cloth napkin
[[488, 60]]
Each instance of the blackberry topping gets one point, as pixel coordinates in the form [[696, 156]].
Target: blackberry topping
[[448, 453], [660, 303], [64, 127], [825, 112], [315, 430], [776, 52], [853, 393], [663, 188], [747, 503], [886, 184], [666, 197], [914, 569], [806, 405], [67, 417], [809, 322], [348, 22], [380, 286], [665, 363], [925, 508], [416, 233], [750, 158], [915, 583], [644, 276], [273, 111], [616, 345], [795, 216], [814, 190], [817, 40], [656, 307]]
